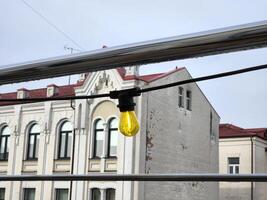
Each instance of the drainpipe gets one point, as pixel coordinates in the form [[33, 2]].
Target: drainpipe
[[252, 167], [73, 149]]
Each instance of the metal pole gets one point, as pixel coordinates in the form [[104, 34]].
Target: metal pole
[[230, 39], [141, 177]]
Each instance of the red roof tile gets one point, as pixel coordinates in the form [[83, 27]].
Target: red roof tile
[[66, 90], [232, 131], [148, 77], [69, 90]]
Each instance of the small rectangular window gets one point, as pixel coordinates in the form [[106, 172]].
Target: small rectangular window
[[188, 100], [29, 194], [2, 193], [181, 97], [233, 165], [62, 194], [212, 133]]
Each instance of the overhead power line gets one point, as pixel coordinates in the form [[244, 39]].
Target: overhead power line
[[52, 24], [139, 91]]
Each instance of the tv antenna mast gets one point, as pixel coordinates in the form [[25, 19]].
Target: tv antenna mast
[[72, 50]]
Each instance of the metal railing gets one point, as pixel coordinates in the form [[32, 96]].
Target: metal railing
[[230, 39], [218, 41], [142, 177]]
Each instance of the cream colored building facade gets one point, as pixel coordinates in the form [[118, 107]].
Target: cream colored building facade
[[174, 122], [242, 151]]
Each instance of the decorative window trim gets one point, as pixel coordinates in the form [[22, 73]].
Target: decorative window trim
[[95, 131], [68, 134], [180, 97], [6, 138], [233, 168], [188, 100], [109, 137], [36, 137]]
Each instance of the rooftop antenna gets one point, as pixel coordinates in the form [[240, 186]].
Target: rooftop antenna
[[72, 50]]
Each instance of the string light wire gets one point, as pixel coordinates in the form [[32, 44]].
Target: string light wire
[[51, 24], [138, 90]]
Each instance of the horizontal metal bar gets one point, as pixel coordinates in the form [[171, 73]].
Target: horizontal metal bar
[[236, 38], [141, 177]]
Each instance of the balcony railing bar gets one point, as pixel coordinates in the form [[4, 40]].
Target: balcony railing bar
[[142, 177], [225, 40]]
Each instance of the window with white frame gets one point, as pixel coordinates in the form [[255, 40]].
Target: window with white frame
[[62, 194], [65, 140], [112, 137], [33, 142], [188, 100], [99, 136], [181, 97], [4, 142], [233, 165], [105, 194]]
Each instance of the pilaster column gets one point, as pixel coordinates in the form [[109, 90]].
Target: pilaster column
[[103, 194]]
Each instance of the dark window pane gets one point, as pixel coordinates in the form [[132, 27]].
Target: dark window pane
[[33, 142], [65, 140], [181, 97], [231, 170], [110, 194], [62, 194], [96, 195], [29, 194], [233, 160], [2, 193]]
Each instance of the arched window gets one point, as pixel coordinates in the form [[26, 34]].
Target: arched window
[[33, 142], [112, 137], [95, 194], [98, 138], [65, 140], [110, 194], [4, 142]]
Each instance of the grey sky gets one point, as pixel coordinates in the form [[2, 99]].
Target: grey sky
[[94, 23]]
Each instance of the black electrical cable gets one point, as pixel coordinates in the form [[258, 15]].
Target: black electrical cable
[[193, 80], [28, 100], [204, 78]]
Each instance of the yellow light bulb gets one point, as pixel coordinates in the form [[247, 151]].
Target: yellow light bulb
[[129, 125]]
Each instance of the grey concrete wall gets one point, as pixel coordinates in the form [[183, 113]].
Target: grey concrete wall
[[179, 141]]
